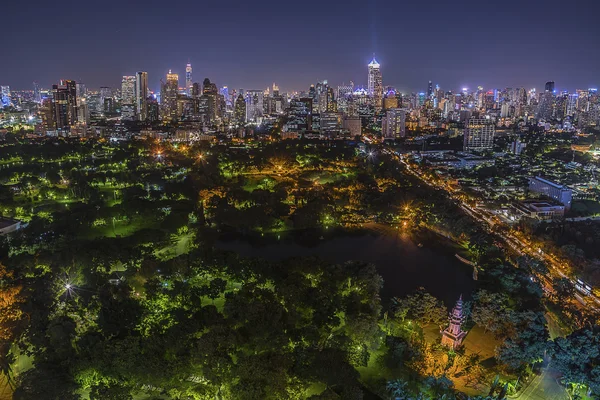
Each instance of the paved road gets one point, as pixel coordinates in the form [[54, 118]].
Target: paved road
[[544, 387]]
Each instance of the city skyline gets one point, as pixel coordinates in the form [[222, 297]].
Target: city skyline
[[253, 47], [185, 84]]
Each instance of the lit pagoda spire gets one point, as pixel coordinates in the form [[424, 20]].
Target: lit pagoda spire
[[453, 335]]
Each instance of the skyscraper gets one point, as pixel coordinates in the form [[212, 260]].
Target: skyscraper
[[141, 95], [188, 79], [394, 123], [479, 134], [429, 90], [375, 83], [128, 97], [254, 105], [37, 94], [5, 100], [168, 97], [549, 87], [65, 104], [239, 114]]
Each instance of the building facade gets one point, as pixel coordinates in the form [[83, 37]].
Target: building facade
[[479, 134]]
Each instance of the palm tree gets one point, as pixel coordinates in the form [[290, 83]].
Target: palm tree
[[398, 389]]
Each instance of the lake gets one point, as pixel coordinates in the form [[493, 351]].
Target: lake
[[403, 264]]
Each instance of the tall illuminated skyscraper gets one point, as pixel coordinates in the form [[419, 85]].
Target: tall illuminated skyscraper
[[188, 79], [65, 104], [168, 97], [141, 95], [375, 83], [128, 97], [37, 94]]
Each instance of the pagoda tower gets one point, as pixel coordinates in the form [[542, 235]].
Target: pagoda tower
[[453, 335]]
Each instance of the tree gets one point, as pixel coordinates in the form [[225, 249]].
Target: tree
[[110, 392], [577, 357], [423, 308], [11, 314], [398, 390], [527, 344], [490, 310], [564, 288]]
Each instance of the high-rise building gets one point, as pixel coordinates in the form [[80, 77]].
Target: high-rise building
[[430, 90], [81, 90], [254, 105], [153, 110], [141, 95], [390, 100], [239, 114], [104, 93], [375, 83], [549, 87], [393, 124], [188, 79], [65, 104], [300, 115], [479, 134], [209, 99], [196, 90], [48, 116], [168, 97], [5, 100], [128, 97], [37, 94]]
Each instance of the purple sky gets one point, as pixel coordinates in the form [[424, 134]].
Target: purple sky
[[251, 44]]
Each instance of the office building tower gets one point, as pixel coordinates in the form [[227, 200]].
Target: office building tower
[[299, 115], [104, 93], [153, 110], [545, 106], [81, 90], [390, 100], [5, 100], [188, 79], [430, 90], [65, 104], [48, 115], [393, 124], [375, 83], [37, 94], [83, 111], [209, 100], [549, 87], [196, 90], [168, 97], [128, 97], [224, 91], [254, 105], [560, 193], [479, 134], [141, 95], [239, 114]]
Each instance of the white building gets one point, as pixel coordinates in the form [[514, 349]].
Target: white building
[[128, 97], [560, 193], [479, 134]]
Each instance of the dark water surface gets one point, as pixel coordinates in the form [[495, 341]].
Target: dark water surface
[[403, 265]]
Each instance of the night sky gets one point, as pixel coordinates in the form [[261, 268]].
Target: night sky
[[250, 44]]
